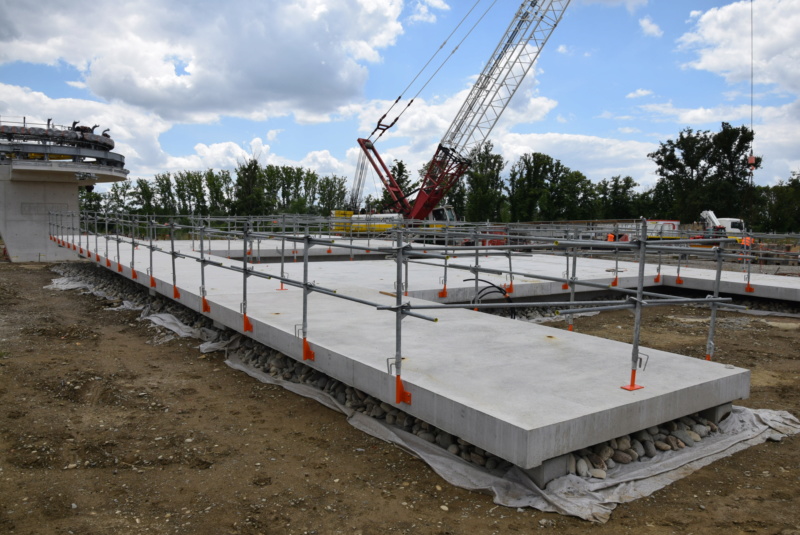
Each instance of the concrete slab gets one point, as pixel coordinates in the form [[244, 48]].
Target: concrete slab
[[524, 392]]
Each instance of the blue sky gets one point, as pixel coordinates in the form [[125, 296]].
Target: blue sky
[[188, 85]]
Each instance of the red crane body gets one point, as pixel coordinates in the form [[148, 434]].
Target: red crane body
[[514, 56]]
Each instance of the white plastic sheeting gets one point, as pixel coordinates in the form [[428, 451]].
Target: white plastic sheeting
[[590, 499]]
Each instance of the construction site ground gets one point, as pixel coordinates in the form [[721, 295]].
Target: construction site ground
[[103, 430]]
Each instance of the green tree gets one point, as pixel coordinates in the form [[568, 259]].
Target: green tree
[[165, 195], [190, 192], [332, 193], [219, 186], [89, 200], [248, 193], [485, 187], [617, 198], [527, 186], [144, 197], [401, 176], [703, 170], [119, 197]]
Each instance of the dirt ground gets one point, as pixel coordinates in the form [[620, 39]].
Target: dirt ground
[[104, 431]]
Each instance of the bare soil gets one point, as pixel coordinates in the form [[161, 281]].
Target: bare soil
[[102, 430]]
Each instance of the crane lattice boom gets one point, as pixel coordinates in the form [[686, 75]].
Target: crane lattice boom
[[511, 61]]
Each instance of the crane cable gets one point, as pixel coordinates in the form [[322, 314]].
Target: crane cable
[[382, 127], [752, 159]]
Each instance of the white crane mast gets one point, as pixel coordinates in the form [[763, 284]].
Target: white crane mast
[[512, 59]]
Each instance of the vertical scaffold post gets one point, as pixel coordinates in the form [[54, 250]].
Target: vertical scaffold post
[[635, 359], [108, 260], [509, 288], [748, 241], [616, 257], [713, 321], [572, 282], [80, 231], [443, 292], [206, 306], [308, 354], [96, 238], [175, 292], [247, 326], [401, 394], [151, 230], [283, 255], [134, 228], [477, 267], [72, 231], [117, 225]]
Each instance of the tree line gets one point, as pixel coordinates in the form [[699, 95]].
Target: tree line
[[699, 170], [255, 189]]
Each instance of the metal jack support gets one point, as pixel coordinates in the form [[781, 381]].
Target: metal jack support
[[713, 321], [401, 394], [635, 359], [175, 292], [308, 354], [204, 301], [247, 326]]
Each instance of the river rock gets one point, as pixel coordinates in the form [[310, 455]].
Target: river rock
[[621, 457], [453, 448], [604, 451], [444, 439], [638, 447], [582, 467], [610, 464], [652, 430], [427, 435], [597, 473], [662, 446], [624, 443], [673, 442], [649, 448], [684, 437], [480, 460], [695, 437], [391, 419], [714, 428], [659, 437], [643, 436], [613, 444], [687, 421], [633, 454], [670, 426], [596, 461]]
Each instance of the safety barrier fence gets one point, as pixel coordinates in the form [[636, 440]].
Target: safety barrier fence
[[102, 237]]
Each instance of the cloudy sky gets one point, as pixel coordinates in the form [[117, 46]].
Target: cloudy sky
[[195, 85]]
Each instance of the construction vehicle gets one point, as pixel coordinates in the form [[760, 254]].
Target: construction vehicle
[[511, 61], [729, 227]]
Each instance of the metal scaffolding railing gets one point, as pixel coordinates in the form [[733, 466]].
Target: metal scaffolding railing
[[406, 245]]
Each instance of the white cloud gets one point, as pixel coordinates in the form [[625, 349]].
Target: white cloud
[[650, 28], [255, 60], [721, 40], [628, 130], [639, 93], [777, 138], [422, 10], [563, 49], [595, 157]]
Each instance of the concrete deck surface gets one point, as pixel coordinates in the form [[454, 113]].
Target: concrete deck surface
[[521, 391]]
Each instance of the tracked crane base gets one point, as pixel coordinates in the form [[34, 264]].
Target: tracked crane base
[[524, 392]]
